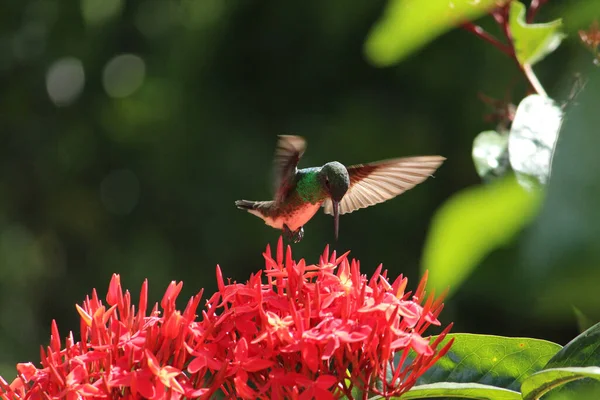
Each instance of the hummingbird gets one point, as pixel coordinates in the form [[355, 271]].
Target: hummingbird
[[299, 193]]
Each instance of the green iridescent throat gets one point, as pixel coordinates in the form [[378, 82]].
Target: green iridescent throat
[[308, 186]]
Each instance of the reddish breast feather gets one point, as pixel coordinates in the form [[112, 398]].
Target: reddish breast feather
[[294, 219]]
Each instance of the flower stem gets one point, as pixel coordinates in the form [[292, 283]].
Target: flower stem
[[533, 80]]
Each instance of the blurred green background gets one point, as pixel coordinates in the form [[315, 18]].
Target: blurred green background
[[129, 128]]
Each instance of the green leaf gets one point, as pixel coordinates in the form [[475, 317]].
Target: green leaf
[[461, 390], [583, 351], [490, 360], [470, 225], [544, 381], [532, 41], [407, 25]]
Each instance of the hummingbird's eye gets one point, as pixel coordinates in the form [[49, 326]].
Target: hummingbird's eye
[[327, 182]]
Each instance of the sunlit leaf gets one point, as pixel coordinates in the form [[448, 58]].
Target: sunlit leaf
[[563, 393], [490, 360], [470, 225], [532, 42], [532, 138], [461, 390], [583, 351], [407, 25], [96, 12], [490, 154], [544, 381]]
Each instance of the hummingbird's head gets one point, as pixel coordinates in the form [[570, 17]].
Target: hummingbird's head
[[335, 179]]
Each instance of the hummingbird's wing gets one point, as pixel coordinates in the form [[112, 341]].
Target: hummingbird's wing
[[377, 182], [287, 155]]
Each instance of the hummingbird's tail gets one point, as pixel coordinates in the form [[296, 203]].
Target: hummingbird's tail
[[261, 209], [246, 204]]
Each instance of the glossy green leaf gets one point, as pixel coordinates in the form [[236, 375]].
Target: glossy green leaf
[[580, 394], [544, 381], [532, 41], [462, 391], [470, 225], [407, 25], [490, 360], [583, 351]]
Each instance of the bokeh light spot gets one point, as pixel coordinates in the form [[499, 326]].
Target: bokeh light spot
[[123, 75], [65, 80], [202, 14], [96, 12], [120, 191]]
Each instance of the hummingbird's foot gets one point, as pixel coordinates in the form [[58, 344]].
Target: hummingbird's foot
[[293, 236], [298, 234], [287, 233]]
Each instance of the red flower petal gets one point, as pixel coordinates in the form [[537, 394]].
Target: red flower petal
[[28, 370], [172, 326], [326, 381], [196, 393], [310, 356], [241, 387], [142, 383], [255, 365], [322, 394], [153, 363], [77, 375], [88, 390], [85, 317]]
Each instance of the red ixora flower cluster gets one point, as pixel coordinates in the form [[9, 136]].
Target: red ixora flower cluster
[[309, 332]]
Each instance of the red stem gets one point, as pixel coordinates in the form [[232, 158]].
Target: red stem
[[347, 390], [483, 34], [506, 29], [533, 9], [501, 16]]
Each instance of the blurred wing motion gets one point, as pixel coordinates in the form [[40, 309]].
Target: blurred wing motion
[[287, 155], [383, 180]]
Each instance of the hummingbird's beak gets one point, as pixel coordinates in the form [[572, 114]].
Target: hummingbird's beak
[[336, 217]]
